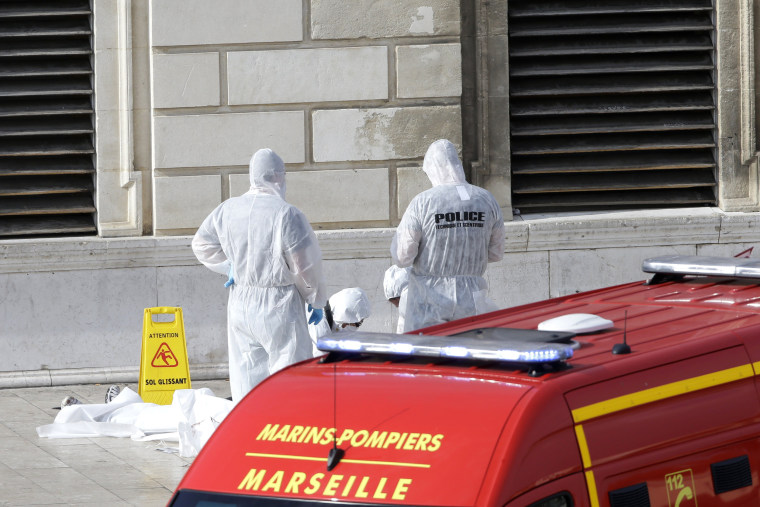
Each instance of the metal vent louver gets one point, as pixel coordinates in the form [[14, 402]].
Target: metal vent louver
[[46, 118], [731, 474], [611, 104], [632, 496]]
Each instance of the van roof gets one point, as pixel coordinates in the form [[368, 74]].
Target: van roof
[[651, 316], [446, 416]]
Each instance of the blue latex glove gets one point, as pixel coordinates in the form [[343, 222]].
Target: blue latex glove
[[316, 315], [230, 279]]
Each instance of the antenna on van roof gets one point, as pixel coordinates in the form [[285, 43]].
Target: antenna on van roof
[[335, 454], [623, 348]]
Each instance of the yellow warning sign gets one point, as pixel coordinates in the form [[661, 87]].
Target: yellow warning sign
[[163, 364]]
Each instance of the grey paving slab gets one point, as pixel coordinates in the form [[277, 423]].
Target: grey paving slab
[[145, 496], [84, 455], [5, 431], [18, 453], [147, 455], [15, 489], [81, 471], [119, 443], [12, 441], [28, 429], [54, 443], [121, 476], [120, 503], [70, 486], [18, 409], [169, 478]]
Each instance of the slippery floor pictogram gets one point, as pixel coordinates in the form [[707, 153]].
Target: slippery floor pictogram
[[164, 357]]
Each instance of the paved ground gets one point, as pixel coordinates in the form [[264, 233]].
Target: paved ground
[[80, 471]]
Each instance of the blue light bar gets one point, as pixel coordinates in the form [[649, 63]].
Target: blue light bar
[[702, 266], [466, 347]]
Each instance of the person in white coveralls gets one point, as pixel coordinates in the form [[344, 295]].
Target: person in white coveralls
[[272, 259], [346, 309], [448, 234]]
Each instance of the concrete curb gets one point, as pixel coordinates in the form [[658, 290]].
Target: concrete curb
[[118, 375]]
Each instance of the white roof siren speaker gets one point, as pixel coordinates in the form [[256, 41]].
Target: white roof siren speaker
[[577, 323]]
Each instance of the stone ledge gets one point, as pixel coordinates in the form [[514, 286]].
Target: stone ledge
[[117, 375], [622, 229], [697, 226], [29, 256]]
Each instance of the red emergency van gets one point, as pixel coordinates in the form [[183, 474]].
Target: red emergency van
[[643, 394]]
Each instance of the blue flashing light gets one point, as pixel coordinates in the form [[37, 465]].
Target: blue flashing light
[[351, 345], [702, 266], [508, 355], [402, 348], [328, 344], [509, 349], [455, 351]]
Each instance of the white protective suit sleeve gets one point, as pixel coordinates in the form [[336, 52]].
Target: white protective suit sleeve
[[208, 247], [401, 312], [395, 281], [317, 331], [498, 239], [304, 258], [406, 243]]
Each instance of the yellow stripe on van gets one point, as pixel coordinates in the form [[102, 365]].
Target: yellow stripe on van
[[663, 392], [756, 367], [593, 496], [583, 446]]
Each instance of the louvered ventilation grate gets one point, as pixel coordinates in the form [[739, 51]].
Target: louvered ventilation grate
[[731, 474], [611, 104], [632, 496], [46, 118]]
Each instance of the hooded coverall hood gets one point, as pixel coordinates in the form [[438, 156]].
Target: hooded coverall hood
[[442, 164], [267, 173], [350, 306]]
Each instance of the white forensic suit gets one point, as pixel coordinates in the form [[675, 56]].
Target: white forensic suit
[[270, 251], [447, 235], [349, 307], [395, 284]]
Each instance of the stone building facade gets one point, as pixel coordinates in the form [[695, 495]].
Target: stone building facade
[[350, 94]]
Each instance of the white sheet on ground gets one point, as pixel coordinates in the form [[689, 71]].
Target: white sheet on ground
[[190, 420]]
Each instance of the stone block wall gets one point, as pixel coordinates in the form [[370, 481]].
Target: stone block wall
[[349, 94]]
